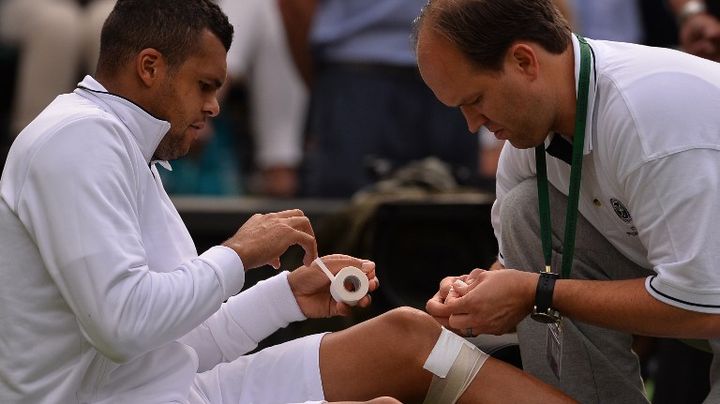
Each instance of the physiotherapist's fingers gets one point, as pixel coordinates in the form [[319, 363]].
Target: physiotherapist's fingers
[[443, 321], [461, 321], [459, 288], [436, 307], [459, 304], [474, 275], [436, 304], [445, 285]]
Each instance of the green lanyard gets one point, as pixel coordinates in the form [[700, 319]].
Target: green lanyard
[[575, 173]]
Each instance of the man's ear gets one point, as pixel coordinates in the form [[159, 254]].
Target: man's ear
[[149, 65], [522, 58]]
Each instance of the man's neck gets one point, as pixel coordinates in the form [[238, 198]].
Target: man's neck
[[567, 94]]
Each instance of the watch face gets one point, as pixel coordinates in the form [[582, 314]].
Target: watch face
[[551, 316]]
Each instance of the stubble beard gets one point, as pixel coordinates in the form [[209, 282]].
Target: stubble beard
[[170, 147]]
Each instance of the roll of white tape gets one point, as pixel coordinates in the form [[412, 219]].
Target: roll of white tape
[[348, 286]]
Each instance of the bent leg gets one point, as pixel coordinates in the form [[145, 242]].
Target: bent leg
[[385, 356]]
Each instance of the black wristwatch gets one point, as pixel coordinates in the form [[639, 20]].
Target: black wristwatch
[[542, 311]]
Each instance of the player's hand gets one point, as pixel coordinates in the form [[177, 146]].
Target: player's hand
[[311, 286], [264, 238]]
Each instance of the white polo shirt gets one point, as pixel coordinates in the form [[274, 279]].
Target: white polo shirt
[[651, 171], [103, 297]]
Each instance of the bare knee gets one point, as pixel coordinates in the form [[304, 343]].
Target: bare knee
[[417, 328]]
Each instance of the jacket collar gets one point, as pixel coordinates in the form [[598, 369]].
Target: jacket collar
[[146, 129]]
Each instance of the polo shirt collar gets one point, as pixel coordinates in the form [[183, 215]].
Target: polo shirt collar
[[146, 129]]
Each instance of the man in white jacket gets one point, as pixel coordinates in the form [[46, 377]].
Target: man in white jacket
[[103, 297]]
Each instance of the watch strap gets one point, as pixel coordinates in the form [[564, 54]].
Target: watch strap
[[543, 311]]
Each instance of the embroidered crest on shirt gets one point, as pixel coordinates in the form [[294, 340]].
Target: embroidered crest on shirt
[[621, 210], [624, 215]]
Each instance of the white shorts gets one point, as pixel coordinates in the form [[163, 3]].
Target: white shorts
[[285, 373]]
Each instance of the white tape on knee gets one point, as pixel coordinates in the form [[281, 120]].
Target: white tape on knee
[[454, 362]]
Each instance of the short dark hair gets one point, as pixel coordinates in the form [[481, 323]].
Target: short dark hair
[[172, 27], [483, 30]]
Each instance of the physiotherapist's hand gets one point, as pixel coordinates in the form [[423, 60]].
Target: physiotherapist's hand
[[311, 286], [493, 302], [264, 238], [436, 305], [450, 289]]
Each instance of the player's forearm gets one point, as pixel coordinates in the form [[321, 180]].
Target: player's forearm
[[626, 305]]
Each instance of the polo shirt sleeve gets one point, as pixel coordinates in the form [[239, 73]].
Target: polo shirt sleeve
[[244, 321], [80, 203], [674, 200]]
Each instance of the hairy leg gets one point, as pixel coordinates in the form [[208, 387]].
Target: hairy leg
[[385, 355]]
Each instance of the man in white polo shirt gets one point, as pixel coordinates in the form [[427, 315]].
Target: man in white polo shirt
[[637, 131], [103, 297]]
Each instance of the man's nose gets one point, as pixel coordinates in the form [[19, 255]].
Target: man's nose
[[474, 118], [212, 107]]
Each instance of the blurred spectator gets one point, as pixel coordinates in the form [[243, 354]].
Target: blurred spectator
[[616, 20], [370, 112], [259, 58], [699, 27], [58, 40]]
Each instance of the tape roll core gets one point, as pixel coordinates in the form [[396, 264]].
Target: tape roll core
[[356, 278], [352, 275]]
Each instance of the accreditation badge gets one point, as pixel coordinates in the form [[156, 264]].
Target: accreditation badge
[[555, 347]]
